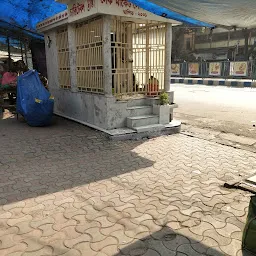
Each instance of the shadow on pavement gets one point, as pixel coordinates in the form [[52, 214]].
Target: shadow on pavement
[[168, 242], [38, 161], [41, 161]]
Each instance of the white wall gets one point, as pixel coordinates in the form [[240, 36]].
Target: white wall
[[85, 107]]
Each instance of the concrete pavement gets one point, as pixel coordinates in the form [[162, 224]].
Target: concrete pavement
[[67, 190]]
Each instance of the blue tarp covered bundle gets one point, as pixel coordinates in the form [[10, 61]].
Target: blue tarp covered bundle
[[34, 102]]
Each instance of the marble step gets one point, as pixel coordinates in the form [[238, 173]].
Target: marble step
[[144, 120], [149, 128], [140, 110]]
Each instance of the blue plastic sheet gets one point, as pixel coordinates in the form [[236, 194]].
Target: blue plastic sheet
[[34, 102], [16, 30], [238, 13], [27, 13]]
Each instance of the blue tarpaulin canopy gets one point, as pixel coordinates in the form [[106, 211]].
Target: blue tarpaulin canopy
[[25, 14]]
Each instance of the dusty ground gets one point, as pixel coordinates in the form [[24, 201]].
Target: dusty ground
[[229, 110], [67, 190]]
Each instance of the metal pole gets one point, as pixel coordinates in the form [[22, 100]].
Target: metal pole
[[228, 38], [21, 50], [9, 52], [251, 65], [147, 56], [129, 59], [26, 57], [246, 43]]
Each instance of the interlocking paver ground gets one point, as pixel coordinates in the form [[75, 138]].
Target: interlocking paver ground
[[67, 190]]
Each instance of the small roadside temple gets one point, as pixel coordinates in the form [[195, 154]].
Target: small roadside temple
[[108, 61]]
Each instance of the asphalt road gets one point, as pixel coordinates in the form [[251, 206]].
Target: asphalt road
[[220, 108]]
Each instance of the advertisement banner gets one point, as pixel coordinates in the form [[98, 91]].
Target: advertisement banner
[[175, 69], [193, 69], [238, 68], [215, 69]]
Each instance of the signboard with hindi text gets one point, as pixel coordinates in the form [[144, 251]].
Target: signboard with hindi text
[[79, 9]]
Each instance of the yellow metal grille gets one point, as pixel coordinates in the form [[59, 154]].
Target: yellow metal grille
[[63, 58], [157, 53], [138, 57], [121, 48], [149, 57], [89, 57]]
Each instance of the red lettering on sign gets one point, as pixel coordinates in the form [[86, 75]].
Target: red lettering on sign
[[142, 14], [90, 4], [76, 9], [125, 3], [128, 11], [107, 1], [121, 3]]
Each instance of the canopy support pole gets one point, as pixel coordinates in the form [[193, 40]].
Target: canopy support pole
[[21, 49], [148, 74], [228, 38], [9, 52], [26, 56]]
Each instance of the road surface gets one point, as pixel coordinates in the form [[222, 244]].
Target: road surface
[[220, 108]]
